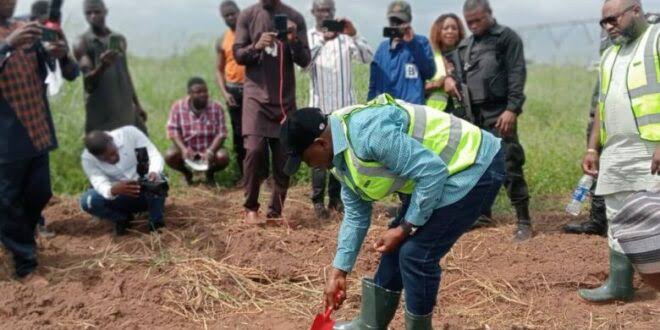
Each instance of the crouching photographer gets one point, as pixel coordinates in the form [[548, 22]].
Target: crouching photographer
[[125, 170]]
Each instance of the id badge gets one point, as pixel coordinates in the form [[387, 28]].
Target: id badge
[[411, 71]]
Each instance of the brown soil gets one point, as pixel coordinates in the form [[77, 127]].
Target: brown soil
[[209, 270]]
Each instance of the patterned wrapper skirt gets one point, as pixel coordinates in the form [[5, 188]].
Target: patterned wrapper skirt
[[637, 228]]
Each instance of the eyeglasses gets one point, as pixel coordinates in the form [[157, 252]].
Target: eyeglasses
[[614, 19]]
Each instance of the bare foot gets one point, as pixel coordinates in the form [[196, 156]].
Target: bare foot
[[35, 281], [252, 218]]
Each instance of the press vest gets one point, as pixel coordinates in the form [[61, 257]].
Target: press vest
[[455, 141], [643, 83], [438, 99]]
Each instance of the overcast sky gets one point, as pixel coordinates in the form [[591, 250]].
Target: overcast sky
[[160, 27]]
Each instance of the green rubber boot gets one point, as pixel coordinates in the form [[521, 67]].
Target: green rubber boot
[[377, 311], [619, 284], [416, 322]]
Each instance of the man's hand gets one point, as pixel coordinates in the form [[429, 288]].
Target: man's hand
[[390, 240], [25, 35], [349, 27], [126, 188], [655, 163], [506, 123], [267, 39], [57, 49], [109, 57], [209, 157], [140, 112], [451, 88], [231, 100], [408, 32], [292, 31], [590, 163], [189, 154], [335, 289], [153, 176]]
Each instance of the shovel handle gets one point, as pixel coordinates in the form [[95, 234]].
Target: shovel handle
[[328, 311]]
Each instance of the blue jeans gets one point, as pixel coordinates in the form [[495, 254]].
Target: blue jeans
[[415, 266], [24, 192], [122, 208]]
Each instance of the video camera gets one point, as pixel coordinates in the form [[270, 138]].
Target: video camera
[[158, 188], [393, 32]]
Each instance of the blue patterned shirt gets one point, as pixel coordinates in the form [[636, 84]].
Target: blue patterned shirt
[[379, 134]]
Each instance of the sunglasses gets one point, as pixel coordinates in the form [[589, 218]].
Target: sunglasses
[[614, 19]]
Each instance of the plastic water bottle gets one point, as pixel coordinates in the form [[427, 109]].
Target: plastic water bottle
[[580, 195]]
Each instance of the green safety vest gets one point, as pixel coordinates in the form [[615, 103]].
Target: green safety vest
[[456, 142], [643, 81], [438, 99]]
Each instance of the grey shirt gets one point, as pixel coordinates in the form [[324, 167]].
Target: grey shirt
[[109, 103], [625, 164]]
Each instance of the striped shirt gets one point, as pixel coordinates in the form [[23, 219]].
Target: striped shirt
[[331, 70]]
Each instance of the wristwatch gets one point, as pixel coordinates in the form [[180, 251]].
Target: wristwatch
[[408, 228]]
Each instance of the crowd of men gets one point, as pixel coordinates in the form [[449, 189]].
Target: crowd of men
[[439, 129]]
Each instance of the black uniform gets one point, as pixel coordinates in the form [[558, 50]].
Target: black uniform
[[495, 74]]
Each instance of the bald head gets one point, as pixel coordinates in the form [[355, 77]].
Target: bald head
[[472, 5], [93, 5], [323, 3], [623, 20]]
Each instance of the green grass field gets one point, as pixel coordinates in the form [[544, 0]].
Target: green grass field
[[552, 127]]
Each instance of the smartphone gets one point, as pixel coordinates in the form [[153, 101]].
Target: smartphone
[[332, 25], [281, 25], [114, 43], [49, 35]]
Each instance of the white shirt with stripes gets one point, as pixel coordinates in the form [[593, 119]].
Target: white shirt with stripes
[[331, 69]]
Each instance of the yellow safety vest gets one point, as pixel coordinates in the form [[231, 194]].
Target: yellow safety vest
[[438, 99], [456, 141], [643, 82]]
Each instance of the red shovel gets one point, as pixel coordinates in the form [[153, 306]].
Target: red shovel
[[323, 321]]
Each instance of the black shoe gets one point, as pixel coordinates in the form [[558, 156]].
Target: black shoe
[[156, 226], [189, 177], [210, 179], [336, 205], [589, 227], [121, 227], [483, 221], [523, 233], [321, 212]]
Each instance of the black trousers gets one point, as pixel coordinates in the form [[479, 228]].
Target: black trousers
[[319, 183], [24, 192], [514, 153], [236, 116]]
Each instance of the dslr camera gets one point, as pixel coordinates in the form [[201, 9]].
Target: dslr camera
[[158, 188]]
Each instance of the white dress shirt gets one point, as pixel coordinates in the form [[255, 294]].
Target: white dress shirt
[[103, 175]]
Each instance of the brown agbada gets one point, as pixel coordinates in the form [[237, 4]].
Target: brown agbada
[[262, 112]]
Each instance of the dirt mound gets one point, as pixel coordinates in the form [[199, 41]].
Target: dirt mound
[[209, 270]]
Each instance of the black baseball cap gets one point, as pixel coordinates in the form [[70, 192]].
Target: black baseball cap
[[298, 133]]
